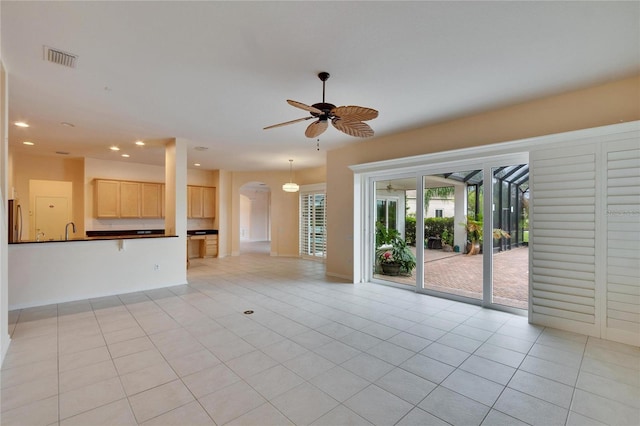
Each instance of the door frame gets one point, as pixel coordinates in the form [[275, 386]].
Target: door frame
[[365, 205]]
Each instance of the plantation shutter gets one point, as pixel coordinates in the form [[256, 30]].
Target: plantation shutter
[[563, 240], [313, 233], [623, 241]]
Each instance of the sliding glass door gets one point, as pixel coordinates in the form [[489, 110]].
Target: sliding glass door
[[465, 229], [395, 231], [510, 236], [452, 250]]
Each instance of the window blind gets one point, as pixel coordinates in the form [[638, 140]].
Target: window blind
[[623, 239], [563, 187]]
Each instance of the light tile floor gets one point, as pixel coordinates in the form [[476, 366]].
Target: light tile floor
[[314, 351]]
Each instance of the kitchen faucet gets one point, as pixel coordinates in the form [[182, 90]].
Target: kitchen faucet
[[66, 230]]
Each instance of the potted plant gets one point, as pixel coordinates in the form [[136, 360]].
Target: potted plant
[[474, 236], [395, 257]]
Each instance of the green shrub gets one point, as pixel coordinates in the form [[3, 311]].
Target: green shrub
[[384, 235], [410, 230], [435, 226]]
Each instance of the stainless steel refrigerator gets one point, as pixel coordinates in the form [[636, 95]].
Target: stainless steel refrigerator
[[15, 221]]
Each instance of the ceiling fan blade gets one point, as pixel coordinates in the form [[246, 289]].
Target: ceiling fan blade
[[355, 113], [303, 106], [288, 122], [316, 128], [353, 128]]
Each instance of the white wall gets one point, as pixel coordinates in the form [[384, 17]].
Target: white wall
[[259, 230], [56, 272], [4, 195], [245, 217]]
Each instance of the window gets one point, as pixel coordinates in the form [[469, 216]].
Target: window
[[313, 230], [438, 212]]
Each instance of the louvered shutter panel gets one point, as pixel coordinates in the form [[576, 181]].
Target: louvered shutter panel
[[320, 232], [313, 230], [563, 239], [623, 241], [305, 223]]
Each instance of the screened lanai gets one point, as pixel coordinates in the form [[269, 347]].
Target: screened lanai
[[452, 244]]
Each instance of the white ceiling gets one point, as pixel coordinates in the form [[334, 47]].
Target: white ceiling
[[216, 73]]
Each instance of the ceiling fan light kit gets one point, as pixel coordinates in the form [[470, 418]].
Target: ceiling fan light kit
[[348, 119]]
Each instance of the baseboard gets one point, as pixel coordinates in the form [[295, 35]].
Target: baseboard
[[349, 280], [5, 349]]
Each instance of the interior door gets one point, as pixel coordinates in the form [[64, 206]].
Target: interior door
[[51, 216]]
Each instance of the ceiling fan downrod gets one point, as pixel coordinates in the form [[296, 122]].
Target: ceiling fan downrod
[[324, 76]]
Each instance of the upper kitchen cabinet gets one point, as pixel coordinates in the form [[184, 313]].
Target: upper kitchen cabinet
[[107, 198], [116, 199], [152, 199], [201, 202], [194, 202], [208, 202], [129, 199], [125, 199]]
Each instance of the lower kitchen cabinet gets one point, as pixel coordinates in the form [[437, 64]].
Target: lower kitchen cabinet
[[202, 246]]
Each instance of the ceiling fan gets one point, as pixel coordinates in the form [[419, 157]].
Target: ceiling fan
[[348, 119]]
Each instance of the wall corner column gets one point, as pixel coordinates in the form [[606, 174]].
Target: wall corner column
[[175, 222]]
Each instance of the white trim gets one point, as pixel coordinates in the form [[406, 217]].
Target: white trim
[[315, 187]]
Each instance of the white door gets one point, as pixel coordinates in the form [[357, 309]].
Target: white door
[[51, 216]]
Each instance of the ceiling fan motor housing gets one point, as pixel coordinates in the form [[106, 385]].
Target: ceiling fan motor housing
[[326, 108]]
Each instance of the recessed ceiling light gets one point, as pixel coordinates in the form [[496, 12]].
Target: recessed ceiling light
[[114, 148], [125, 155], [21, 124], [64, 123], [140, 143], [28, 143], [196, 164]]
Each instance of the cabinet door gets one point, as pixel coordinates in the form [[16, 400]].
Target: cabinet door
[[129, 199], [106, 198], [195, 203], [209, 202], [151, 199], [162, 200]]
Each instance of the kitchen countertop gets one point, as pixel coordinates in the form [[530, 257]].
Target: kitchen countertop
[[97, 238], [122, 234]]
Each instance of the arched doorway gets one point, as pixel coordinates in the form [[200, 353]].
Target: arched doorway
[[255, 218]]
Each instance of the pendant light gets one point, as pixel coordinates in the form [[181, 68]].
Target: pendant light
[[290, 187]]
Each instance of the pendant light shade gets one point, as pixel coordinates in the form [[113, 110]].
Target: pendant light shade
[[290, 186]]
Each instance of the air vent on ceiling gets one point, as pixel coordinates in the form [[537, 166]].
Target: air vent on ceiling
[[59, 57]]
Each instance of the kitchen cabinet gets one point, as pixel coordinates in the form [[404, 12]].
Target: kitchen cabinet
[[207, 246], [201, 202], [107, 198], [211, 246], [208, 202], [129, 199], [194, 196], [151, 200]]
